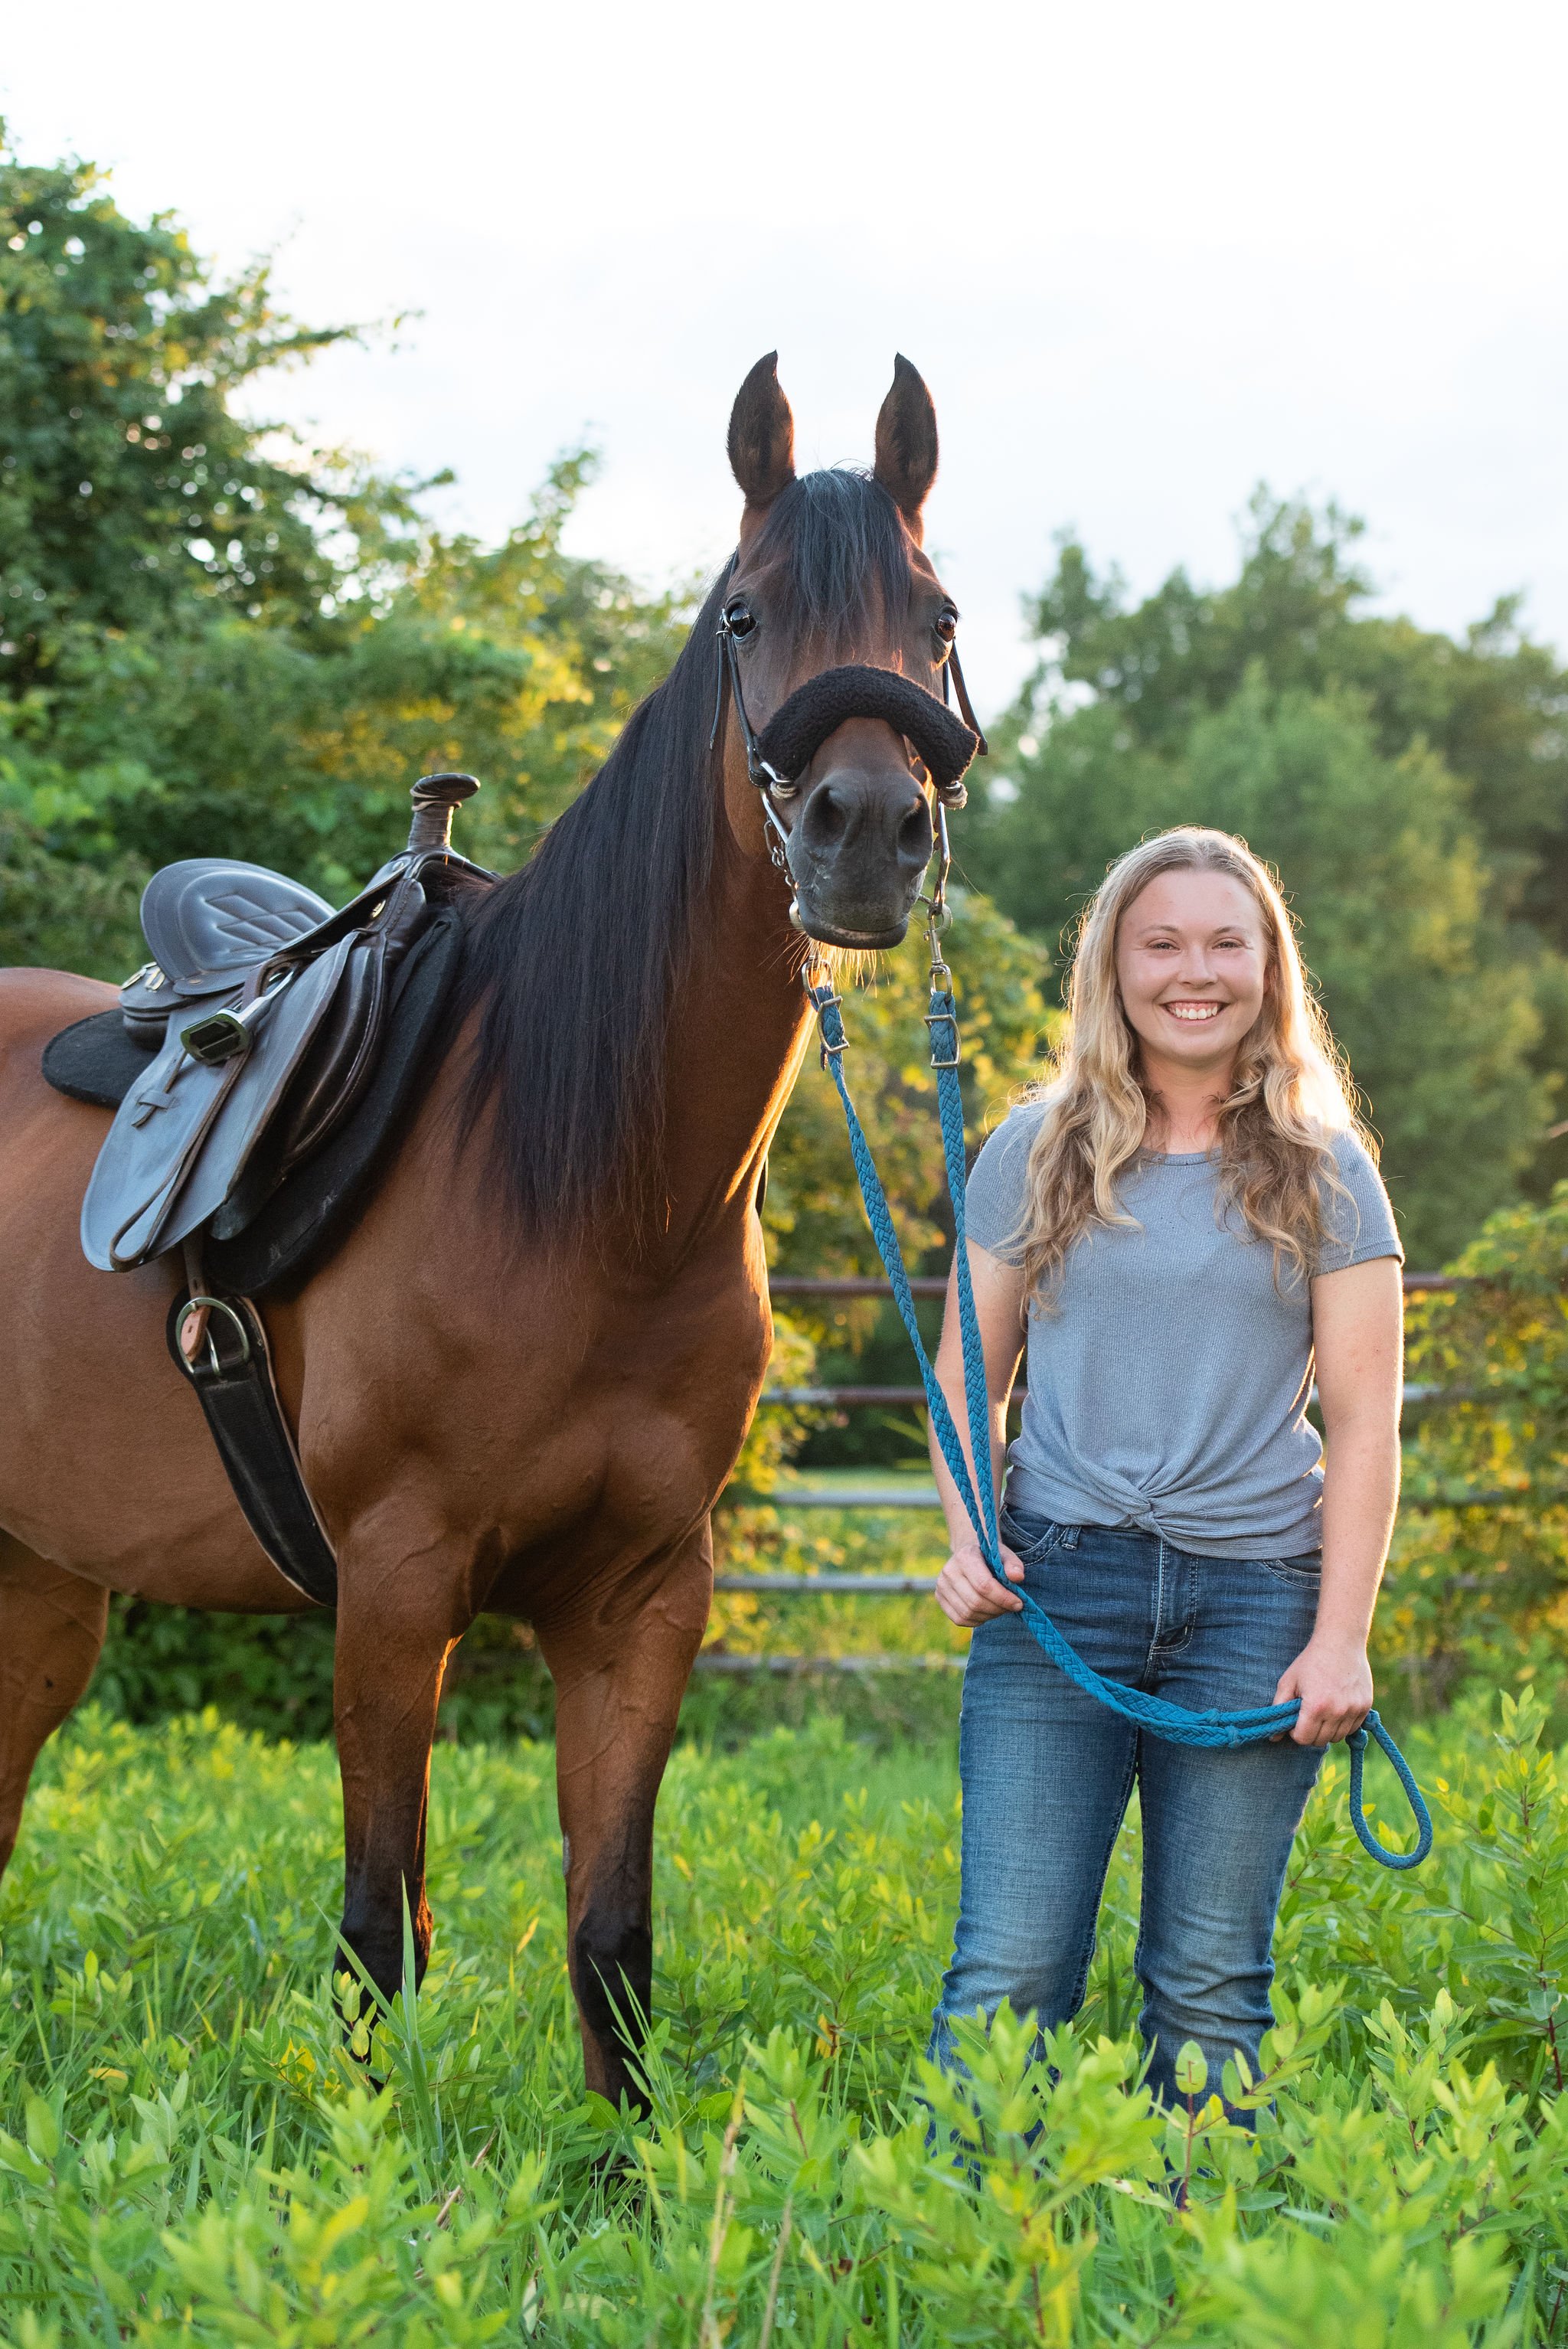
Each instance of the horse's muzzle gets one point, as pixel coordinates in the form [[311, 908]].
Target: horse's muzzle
[[859, 849]]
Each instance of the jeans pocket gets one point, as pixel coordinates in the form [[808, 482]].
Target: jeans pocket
[[1304, 1573], [1030, 1539]]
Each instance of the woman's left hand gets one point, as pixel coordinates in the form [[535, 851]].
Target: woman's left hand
[[1334, 1681]]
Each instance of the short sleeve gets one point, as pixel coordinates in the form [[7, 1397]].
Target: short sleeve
[[1357, 1217], [995, 1196]]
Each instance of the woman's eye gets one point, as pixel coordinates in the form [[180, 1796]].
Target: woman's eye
[[739, 618]]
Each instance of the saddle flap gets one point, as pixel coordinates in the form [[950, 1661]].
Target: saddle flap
[[181, 1138], [209, 919]]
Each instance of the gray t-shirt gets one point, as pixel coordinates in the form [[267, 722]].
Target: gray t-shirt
[[1169, 1382]]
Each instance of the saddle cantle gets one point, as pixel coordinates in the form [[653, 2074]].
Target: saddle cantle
[[207, 919], [262, 1013]]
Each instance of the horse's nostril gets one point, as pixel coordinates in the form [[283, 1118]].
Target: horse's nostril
[[827, 817], [915, 834]]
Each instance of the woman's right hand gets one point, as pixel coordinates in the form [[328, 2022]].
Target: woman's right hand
[[968, 1592]]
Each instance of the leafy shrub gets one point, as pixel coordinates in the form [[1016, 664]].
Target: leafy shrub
[[190, 2150]]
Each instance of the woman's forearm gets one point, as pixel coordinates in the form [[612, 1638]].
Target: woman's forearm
[[1360, 1491]]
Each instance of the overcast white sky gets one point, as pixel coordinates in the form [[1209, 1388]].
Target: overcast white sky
[[1144, 256]]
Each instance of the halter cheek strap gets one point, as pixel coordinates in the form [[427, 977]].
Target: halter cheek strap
[[771, 785], [951, 670]]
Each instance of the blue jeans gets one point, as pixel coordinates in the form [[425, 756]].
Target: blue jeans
[[1046, 1773]]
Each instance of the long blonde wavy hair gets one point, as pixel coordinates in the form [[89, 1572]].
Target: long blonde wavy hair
[[1290, 1093]]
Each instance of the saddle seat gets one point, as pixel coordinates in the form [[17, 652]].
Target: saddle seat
[[261, 1016]]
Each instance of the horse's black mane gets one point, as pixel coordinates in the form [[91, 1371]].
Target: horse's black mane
[[573, 961]]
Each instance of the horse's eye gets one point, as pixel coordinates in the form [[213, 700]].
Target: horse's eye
[[739, 617], [946, 625]]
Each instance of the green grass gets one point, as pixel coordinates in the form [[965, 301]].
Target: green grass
[[192, 2153]]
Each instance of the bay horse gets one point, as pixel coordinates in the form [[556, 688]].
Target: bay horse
[[521, 1381]]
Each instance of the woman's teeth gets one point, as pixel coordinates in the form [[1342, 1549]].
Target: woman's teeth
[[1194, 1011]]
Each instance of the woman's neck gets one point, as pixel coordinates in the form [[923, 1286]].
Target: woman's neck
[[1185, 1104]]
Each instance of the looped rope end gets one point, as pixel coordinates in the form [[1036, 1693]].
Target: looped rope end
[[1357, 1741]]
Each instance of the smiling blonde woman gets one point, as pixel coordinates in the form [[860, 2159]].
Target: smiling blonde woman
[[1181, 1226]]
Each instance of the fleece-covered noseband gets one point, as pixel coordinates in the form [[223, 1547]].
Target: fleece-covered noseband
[[778, 757], [796, 731]]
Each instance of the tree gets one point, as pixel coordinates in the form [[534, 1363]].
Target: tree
[[129, 491], [212, 636], [1494, 706]]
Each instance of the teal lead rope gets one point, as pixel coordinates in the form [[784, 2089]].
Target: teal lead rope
[[1151, 1713]]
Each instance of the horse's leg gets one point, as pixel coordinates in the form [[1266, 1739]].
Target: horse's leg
[[51, 1630], [399, 1619], [620, 1667]]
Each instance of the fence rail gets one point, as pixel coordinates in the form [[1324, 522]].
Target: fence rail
[[861, 1284], [853, 1398]]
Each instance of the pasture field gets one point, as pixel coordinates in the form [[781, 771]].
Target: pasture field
[[192, 2154]]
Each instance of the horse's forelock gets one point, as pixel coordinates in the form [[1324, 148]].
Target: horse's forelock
[[836, 552]]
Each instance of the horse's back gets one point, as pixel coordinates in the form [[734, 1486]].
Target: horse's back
[[46, 1140], [36, 1005]]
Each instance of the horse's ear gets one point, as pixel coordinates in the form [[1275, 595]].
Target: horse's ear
[[906, 442], [762, 435]]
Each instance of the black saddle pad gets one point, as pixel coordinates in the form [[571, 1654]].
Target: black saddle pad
[[95, 1061]]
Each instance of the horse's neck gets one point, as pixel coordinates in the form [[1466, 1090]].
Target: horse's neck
[[736, 1033]]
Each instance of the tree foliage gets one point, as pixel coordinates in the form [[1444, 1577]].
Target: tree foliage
[[1493, 706], [215, 635], [129, 489]]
